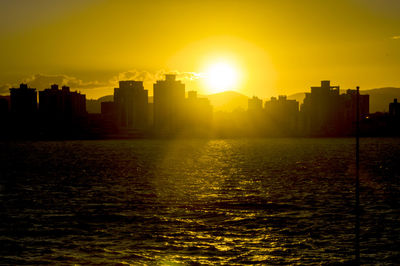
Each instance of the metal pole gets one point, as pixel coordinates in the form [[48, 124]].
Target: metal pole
[[357, 229]]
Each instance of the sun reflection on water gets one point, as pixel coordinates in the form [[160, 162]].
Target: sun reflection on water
[[195, 202]]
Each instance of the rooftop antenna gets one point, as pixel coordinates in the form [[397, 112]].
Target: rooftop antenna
[[357, 209]]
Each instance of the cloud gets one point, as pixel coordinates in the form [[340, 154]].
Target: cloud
[[95, 87], [40, 81], [43, 81], [396, 37], [147, 76], [188, 75], [139, 75]]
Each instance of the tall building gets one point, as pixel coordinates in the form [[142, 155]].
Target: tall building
[[77, 101], [62, 112], [254, 122], [23, 100], [281, 116], [254, 104], [394, 109], [198, 113], [282, 106], [51, 102], [23, 117], [169, 101], [131, 105], [326, 112], [4, 105], [61, 104], [109, 117], [320, 109], [349, 110], [4, 115], [394, 118]]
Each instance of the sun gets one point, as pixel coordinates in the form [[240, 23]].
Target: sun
[[221, 76]]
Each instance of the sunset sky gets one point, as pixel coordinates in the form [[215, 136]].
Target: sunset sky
[[274, 47]]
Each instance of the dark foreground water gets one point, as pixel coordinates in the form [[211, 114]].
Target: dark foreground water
[[262, 201]]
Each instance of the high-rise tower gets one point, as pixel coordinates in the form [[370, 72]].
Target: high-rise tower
[[131, 101], [169, 100]]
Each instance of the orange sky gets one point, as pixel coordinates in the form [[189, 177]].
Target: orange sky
[[279, 47]]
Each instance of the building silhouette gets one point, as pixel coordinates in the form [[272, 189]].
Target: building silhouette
[[254, 122], [131, 106], [23, 100], [62, 113], [199, 114], [23, 111], [51, 102], [109, 117], [348, 114], [394, 118], [254, 104], [382, 124], [282, 116], [320, 109], [61, 104], [77, 102], [4, 105], [326, 112], [4, 115], [394, 109], [169, 103]]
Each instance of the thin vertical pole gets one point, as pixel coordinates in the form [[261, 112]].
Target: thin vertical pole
[[357, 229]]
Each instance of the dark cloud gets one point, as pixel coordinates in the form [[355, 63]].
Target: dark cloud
[[43, 81], [40, 81], [147, 76]]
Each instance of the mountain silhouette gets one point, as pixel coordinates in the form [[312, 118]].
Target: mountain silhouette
[[380, 98], [94, 106], [297, 96]]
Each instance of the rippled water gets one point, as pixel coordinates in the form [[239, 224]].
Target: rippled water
[[268, 201]]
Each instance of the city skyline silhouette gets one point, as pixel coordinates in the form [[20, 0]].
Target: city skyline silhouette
[[173, 112]]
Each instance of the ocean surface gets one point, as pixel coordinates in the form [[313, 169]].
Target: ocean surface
[[172, 202]]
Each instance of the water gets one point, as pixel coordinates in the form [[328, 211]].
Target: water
[[260, 201]]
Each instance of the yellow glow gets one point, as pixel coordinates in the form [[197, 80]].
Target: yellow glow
[[221, 76], [277, 48]]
